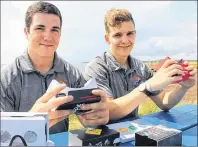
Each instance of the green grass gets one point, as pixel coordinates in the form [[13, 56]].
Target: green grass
[[150, 107], [145, 108]]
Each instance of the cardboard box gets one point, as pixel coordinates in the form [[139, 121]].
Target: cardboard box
[[158, 136], [20, 128], [99, 136]]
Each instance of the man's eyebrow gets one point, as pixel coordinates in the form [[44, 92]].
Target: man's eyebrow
[[55, 27], [132, 31], [40, 26], [118, 33]]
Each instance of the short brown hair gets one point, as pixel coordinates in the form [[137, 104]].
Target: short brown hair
[[41, 7], [114, 18]]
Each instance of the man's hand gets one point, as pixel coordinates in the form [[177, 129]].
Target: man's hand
[[99, 114], [169, 73], [48, 103], [193, 77]]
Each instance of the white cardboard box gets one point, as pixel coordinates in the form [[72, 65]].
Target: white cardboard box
[[32, 127]]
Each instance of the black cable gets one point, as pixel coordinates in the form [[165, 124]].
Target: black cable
[[14, 137]]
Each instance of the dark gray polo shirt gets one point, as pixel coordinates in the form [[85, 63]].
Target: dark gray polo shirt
[[22, 84], [114, 79]]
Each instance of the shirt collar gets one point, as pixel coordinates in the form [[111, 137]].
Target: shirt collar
[[114, 65], [58, 64], [27, 66]]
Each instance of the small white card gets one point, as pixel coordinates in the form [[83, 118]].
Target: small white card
[[88, 85]]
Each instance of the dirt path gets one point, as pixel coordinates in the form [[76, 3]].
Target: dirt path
[[190, 97]]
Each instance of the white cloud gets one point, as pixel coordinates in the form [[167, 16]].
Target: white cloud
[[83, 29], [173, 45], [158, 43], [13, 41], [22, 6], [179, 42]]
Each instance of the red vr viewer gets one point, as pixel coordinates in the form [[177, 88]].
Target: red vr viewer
[[181, 62]]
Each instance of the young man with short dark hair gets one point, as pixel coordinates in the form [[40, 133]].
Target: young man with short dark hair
[[25, 81]]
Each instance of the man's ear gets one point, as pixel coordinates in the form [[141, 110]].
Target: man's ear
[[26, 32], [107, 38]]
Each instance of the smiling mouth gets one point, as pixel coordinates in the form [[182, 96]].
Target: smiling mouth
[[125, 46], [46, 45]]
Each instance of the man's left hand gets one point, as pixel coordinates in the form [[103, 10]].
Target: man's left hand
[[99, 114], [192, 79]]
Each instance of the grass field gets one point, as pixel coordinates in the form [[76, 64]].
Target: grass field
[[149, 106]]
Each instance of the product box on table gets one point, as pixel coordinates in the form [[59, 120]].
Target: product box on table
[[98, 136], [158, 136], [24, 129]]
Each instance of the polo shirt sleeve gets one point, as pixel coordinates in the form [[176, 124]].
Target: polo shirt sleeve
[[7, 91], [80, 80], [7, 103], [96, 69], [77, 78], [148, 72]]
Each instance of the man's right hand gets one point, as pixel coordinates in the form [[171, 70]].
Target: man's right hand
[[48, 103], [165, 75]]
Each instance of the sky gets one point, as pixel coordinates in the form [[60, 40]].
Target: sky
[[164, 28]]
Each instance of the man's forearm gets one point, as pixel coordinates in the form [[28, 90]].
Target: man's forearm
[[122, 106], [172, 98]]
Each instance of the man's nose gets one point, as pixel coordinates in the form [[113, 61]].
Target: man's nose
[[125, 39], [47, 35]]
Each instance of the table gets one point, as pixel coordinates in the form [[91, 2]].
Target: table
[[189, 137], [182, 117]]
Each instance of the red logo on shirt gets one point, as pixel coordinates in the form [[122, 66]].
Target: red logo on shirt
[[61, 80], [137, 79]]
